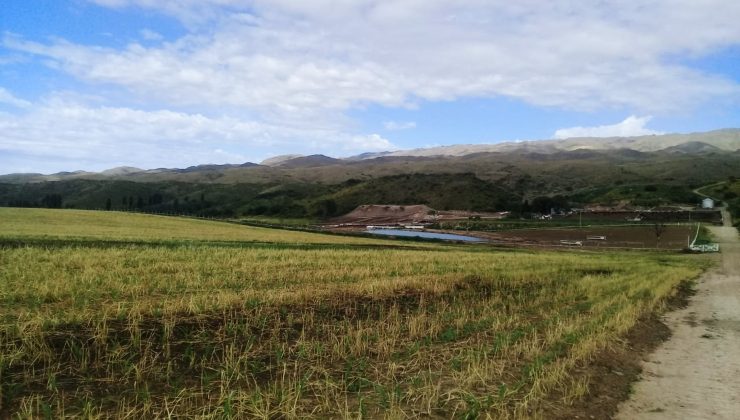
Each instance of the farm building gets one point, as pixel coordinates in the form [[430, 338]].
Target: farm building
[[707, 203]]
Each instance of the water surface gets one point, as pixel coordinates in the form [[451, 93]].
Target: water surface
[[422, 234]]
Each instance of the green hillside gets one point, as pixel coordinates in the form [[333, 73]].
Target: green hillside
[[318, 188], [441, 192], [729, 193]]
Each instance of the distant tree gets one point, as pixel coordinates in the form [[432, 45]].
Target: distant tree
[[131, 201], [139, 203], [52, 201], [326, 208], [124, 202], [108, 203], [526, 208], [155, 199], [546, 204]]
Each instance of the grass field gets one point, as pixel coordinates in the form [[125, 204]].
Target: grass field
[[104, 326], [122, 226]]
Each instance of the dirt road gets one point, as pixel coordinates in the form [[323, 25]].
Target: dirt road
[[696, 373]]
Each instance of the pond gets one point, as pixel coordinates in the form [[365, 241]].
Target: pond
[[419, 234]]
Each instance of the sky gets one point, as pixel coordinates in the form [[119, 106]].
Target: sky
[[96, 84]]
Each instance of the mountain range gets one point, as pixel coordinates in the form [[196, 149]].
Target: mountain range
[[280, 167], [642, 171]]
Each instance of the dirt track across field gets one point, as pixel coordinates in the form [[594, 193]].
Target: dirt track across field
[[696, 373]]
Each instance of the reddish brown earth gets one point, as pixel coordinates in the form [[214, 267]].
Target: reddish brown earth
[[371, 214], [381, 214], [673, 237]]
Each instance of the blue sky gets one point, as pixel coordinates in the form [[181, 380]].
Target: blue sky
[[94, 84]]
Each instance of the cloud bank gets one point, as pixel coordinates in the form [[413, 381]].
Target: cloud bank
[[61, 132], [287, 56], [252, 76]]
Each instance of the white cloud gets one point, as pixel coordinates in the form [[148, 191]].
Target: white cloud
[[60, 132], [278, 76], [150, 35], [370, 143], [631, 126], [10, 99], [283, 56], [399, 125]]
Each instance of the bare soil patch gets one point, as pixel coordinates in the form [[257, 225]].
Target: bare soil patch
[[387, 214], [672, 237]]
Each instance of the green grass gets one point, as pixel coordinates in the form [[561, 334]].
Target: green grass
[[704, 236], [279, 221], [83, 224], [123, 315]]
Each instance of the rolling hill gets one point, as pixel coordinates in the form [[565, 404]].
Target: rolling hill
[[468, 177]]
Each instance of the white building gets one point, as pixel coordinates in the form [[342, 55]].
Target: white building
[[707, 203]]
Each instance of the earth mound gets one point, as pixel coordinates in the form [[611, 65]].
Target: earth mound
[[379, 214]]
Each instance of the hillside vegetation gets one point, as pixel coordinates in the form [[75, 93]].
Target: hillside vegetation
[[729, 193], [444, 191], [645, 195], [106, 326], [441, 192], [645, 171]]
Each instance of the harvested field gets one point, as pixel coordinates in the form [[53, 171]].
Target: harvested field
[[46, 224], [127, 329], [644, 236]]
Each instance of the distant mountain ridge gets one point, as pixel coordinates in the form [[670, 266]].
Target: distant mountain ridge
[[121, 170], [276, 160], [308, 161], [725, 139], [642, 171], [273, 169]]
